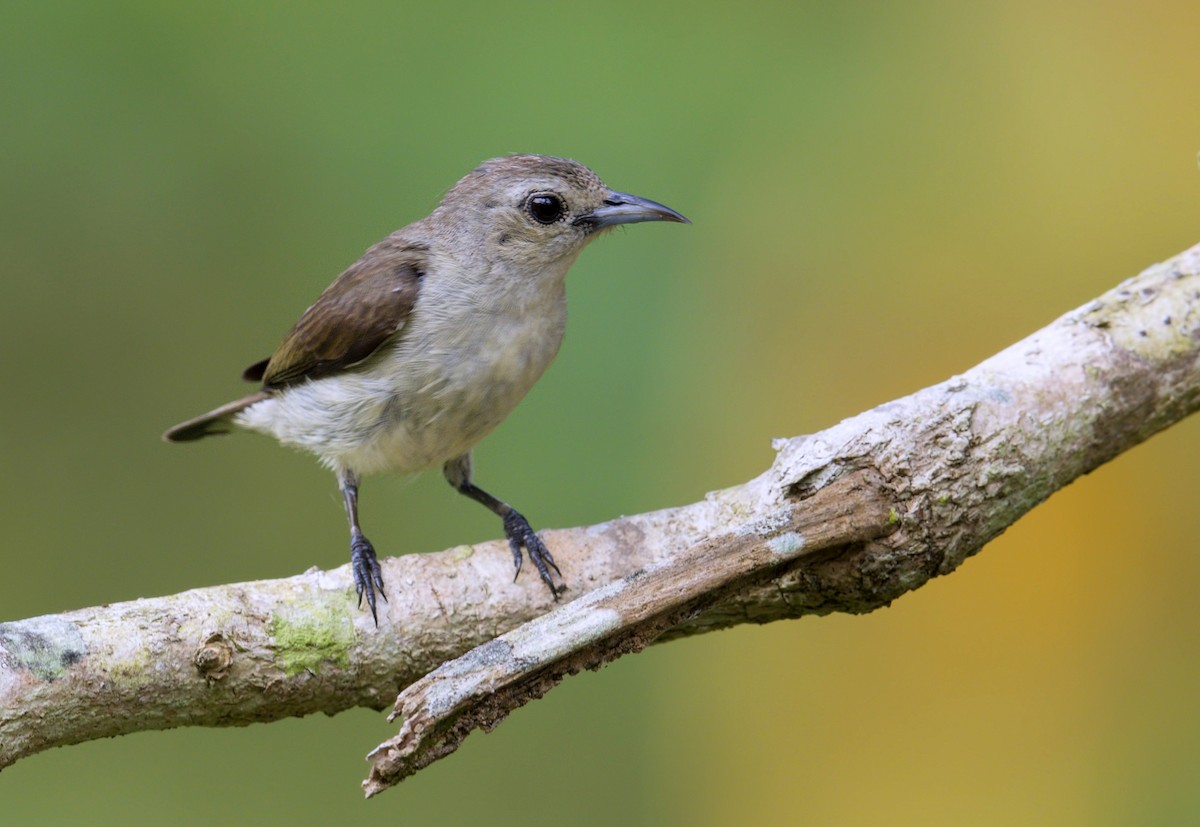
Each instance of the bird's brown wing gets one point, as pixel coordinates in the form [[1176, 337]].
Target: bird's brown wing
[[363, 308]]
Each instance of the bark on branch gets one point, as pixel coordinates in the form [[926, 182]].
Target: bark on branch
[[845, 520]]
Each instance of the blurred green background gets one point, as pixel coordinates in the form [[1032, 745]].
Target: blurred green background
[[883, 194]]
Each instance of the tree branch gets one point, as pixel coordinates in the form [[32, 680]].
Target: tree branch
[[845, 520]]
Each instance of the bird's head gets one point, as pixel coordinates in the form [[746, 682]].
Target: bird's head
[[539, 210]]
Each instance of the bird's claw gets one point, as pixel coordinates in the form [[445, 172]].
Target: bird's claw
[[368, 576], [522, 536]]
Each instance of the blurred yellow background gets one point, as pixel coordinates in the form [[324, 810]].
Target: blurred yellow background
[[883, 194]]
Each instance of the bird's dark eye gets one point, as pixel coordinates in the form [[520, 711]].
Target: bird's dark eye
[[546, 208]]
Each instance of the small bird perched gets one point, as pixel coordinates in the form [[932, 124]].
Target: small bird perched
[[427, 342]]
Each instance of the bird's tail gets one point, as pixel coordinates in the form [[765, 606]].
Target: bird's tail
[[215, 421]]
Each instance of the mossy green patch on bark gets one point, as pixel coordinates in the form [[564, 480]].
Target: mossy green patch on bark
[[46, 646], [308, 637], [460, 553]]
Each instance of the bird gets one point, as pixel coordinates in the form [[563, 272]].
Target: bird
[[421, 347]]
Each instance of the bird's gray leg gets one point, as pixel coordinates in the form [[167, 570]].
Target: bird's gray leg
[[367, 575], [516, 528]]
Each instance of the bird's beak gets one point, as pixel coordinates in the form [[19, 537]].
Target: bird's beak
[[623, 208]]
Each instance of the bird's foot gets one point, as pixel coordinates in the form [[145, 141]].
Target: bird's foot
[[521, 535], [368, 577]]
